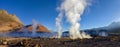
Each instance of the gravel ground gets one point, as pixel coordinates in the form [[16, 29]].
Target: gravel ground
[[110, 41]]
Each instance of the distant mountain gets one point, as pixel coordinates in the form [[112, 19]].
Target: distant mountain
[[114, 27], [40, 28]]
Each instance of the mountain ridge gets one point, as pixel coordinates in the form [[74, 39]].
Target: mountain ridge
[[10, 22]]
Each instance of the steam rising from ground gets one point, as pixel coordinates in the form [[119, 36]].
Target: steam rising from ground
[[34, 26], [58, 24], [72, 9]]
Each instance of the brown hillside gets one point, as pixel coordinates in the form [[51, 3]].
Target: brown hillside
[[40, 28], [9, 22]]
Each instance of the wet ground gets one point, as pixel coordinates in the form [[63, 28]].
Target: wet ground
[[110, 41]]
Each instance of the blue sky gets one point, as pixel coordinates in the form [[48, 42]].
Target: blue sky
[[100, 13]]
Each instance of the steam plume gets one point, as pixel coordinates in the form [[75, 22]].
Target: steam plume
[[58, 24], [34, 27], [73, 10]]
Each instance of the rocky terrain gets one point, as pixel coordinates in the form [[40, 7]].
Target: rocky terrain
[[9, 22], [110, 41]]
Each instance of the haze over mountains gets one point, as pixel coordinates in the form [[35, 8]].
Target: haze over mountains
[[114, 27]]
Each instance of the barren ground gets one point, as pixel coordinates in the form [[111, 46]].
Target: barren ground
[[110, 41]]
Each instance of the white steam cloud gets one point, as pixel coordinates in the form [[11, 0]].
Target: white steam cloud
[[58, 24], [72, 9]]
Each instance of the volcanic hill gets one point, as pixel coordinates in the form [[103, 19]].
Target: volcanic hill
[[40, 28], [9, 22]]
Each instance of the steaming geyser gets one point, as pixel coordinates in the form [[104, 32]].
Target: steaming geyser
[[34, 26], [72, 9], [58, 24]]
